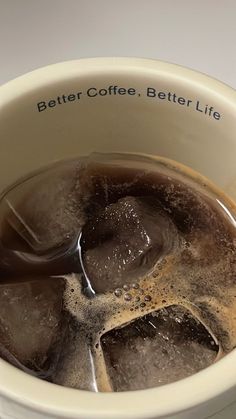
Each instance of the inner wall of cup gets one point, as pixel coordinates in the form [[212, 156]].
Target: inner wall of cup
[[165, 116], [34, 133]]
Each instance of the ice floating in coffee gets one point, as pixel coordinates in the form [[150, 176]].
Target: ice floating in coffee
[[117, 272]]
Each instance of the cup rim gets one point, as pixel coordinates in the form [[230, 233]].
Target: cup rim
[[182, 395], [47, 398], [53, 73]]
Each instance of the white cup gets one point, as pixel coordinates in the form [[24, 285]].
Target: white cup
[[118, 104]]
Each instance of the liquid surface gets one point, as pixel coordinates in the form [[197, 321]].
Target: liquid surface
[[117, 272]]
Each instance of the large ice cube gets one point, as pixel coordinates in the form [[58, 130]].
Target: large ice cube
[[31, 324], [45, 210], [157, 349], [124, 242]]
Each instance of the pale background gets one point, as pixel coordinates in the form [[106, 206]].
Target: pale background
[[198, 34]]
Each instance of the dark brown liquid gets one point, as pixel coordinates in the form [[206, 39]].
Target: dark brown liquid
[[148, 296]]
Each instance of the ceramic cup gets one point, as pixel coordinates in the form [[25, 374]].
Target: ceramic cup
[[130, 105]]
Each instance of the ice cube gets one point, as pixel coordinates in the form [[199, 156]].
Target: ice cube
[[31, 324], [45, 210], [157, 349], [124, 241]]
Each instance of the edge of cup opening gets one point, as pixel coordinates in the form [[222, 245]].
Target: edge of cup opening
[[60, 71], [183, 395], [193, 387]]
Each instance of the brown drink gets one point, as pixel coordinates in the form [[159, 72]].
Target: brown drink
[[117, 273]]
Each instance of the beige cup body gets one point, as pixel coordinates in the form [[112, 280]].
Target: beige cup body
[[129, 105]]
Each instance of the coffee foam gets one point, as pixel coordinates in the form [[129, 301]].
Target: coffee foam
[[198, 274]]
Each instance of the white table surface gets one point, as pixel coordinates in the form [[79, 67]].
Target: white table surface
[[198, 34]]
